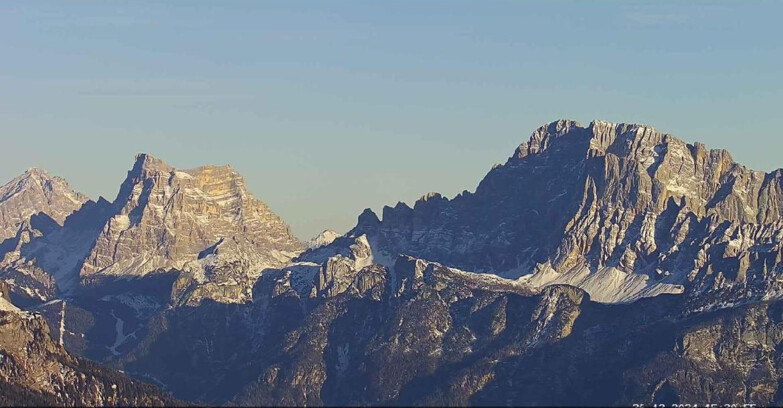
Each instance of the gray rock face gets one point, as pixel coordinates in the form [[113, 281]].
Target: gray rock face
[[732, 358], [456, 338], [298, 336], [384, 316], [35, 192], [601, 265], [341, 273], [43, 260], [623, 211], [31, 206]]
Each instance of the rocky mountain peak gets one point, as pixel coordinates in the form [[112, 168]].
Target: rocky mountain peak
[[35, 191], [621, 210], [36, 172], [166, 218], [210, 181], [601, 137], [150, 176], [40, 181], [598, 134], [34, 176], [145, 162], [486, 298], [543, 137], [324, 238], [431, 196], [367, 219]]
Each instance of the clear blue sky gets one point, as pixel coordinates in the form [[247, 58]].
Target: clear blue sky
[[328, 108]]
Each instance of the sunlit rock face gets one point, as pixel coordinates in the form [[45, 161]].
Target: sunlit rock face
[[202, 222], [32, 193], [324, 238]]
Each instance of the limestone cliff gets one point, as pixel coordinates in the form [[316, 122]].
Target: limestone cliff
[[202, 222], [621, 210]]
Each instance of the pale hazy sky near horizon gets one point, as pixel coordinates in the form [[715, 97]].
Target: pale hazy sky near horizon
[[328, 108]]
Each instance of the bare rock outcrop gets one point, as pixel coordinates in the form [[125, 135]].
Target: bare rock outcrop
[[202, 222], [34, 192], [621, 210], [36, 370]]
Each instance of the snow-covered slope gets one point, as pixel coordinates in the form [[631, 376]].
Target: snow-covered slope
[[324, 238]]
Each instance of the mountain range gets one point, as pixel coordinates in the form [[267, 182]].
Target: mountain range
[[607, 264]]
